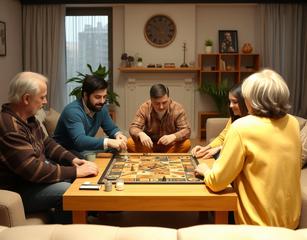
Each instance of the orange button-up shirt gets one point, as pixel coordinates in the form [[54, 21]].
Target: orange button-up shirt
[[173, 122]]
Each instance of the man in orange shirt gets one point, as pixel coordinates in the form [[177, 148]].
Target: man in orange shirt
[[160, 125]]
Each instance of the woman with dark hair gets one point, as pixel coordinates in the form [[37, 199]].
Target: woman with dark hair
[[237, 109]]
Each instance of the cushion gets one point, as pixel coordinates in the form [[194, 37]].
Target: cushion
[[303, 135], [51, 120], [302, 121]]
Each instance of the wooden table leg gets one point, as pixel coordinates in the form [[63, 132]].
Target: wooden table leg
[[221, 217], [79, 217]]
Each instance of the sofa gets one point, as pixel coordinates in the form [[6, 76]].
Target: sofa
[[215, 125], [198, 232]]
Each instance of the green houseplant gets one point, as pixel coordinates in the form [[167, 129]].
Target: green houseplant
[[100, 72], [208, 42], [219, 95], [208, 45]]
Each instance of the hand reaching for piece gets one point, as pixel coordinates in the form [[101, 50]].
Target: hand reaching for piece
[[145, 140], [118, 144], [122, 137], [199, 151], [211, 152], [167, 139]]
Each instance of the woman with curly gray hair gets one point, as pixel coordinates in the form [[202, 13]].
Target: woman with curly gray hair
[[261, 156]]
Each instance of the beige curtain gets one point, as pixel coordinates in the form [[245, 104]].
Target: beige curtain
[[44, 47], [282, 36]]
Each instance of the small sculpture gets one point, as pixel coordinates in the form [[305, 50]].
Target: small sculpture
[[184, 50]]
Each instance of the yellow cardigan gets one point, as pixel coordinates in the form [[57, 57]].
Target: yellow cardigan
[[261, 157]]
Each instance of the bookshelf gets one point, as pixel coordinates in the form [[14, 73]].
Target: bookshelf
[[231, 67]]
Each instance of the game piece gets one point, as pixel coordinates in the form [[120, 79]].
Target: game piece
[[108, 186], [152, 168], [120, 184]]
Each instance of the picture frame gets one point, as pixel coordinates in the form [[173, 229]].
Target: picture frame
[[2, 39], [228, 41]]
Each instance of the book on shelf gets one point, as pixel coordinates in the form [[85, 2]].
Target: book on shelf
[[222, 65]]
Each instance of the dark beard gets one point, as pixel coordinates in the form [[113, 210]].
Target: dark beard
[[94, 108]]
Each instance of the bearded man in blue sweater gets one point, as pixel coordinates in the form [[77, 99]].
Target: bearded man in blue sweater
[[81, 119]]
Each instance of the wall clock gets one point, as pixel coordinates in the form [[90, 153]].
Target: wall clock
[[160, 31]]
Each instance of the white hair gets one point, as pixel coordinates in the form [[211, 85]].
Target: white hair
[[25, 82], [267, 93]]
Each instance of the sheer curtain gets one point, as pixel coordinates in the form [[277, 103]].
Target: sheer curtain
[[282, 36], [44, 48]]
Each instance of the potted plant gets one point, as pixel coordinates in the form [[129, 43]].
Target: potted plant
[[219, 95], [139, 62], [208, 45], [130, 61], [100, 72]]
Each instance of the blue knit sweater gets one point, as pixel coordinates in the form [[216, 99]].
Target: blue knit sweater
[[76, 130]]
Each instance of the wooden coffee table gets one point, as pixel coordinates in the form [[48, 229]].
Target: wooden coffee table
[[147, 197]]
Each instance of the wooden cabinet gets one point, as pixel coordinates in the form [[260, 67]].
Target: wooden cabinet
[[231, 67], [202, 119]]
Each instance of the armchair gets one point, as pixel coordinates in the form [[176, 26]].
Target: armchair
[[12, 211]]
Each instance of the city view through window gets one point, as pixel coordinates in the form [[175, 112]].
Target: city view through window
[[86, 43]]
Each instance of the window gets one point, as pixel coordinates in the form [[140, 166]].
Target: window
[[88, 41]]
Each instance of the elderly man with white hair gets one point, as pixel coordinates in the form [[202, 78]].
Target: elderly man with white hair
[[32, 163]]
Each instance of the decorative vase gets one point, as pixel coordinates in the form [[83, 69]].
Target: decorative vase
[[139, 64], [247, 48], [123, 63], [208, 49]]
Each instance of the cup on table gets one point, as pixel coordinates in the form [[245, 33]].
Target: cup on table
[[91, 156]]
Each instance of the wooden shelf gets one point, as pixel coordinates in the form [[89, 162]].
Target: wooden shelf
[[234, 67], [158, 70]]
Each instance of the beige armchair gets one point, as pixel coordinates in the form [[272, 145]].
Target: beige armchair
[[12, 211]]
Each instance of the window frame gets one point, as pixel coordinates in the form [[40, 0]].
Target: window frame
[[98, 11]]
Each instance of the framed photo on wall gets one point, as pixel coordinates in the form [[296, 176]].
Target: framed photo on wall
[[228, 41], [2, 39]]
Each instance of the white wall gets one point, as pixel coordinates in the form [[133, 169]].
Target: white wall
[[10, 13], [211, 18], [135, 42]]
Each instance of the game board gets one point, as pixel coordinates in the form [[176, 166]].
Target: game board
[[151, 168]]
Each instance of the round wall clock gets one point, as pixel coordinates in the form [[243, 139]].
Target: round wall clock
[[160, 31]]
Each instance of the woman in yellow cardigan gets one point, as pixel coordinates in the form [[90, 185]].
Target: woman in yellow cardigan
[[237, 109], [261, 156]]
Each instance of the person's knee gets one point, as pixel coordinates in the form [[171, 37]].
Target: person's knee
[[186, 145], [131, 145], [60, 187]]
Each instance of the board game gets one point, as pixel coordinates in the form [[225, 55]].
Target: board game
[[151, 168]]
